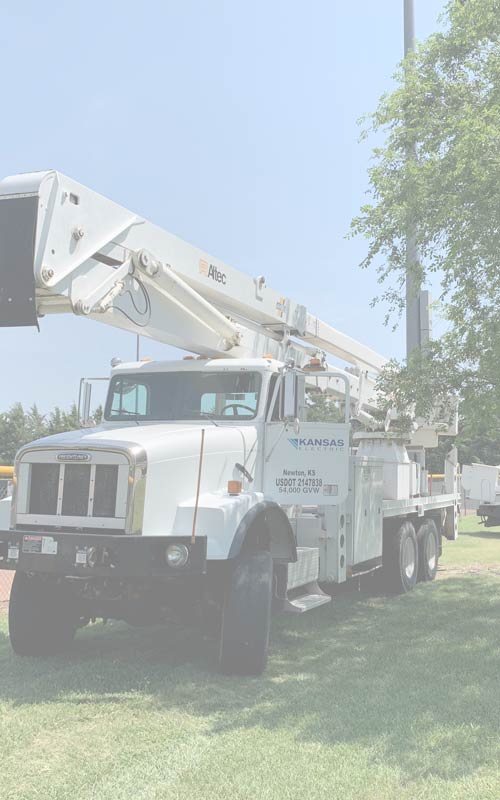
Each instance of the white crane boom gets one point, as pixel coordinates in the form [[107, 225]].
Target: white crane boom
[[66, 249]]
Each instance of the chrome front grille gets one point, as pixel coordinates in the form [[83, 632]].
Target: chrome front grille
[[73, 490], [99, 488], [44, 488], [105, 489]]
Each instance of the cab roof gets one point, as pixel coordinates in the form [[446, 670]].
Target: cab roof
[[200, 365]]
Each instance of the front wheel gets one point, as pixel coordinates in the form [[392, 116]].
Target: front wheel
[[400, 558], [42, 617], [246, 615]]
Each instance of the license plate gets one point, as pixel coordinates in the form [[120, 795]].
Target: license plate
[[46, 545]]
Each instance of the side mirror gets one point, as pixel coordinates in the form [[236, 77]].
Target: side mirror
[[84, 404], [85, 417], [290, 396]]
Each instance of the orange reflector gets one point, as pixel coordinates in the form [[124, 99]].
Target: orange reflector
[[234, 487], [267, 355], [144, 360], [314, 364]]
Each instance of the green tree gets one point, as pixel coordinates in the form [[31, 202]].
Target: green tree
[[36, 426], [70, 419], [18, 427], [61, 421], [446, 110], [322, 408], [55, 422], [14, 433]]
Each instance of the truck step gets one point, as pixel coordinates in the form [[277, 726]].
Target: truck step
[[311, 598], [306, 568]]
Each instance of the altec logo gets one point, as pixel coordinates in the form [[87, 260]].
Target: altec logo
[[317, 444], [212, 272]]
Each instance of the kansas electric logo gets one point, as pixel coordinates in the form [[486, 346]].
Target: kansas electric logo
[[212, 272], [317, 444]]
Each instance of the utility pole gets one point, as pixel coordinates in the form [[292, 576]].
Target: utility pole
[[414, 326], [409, 23]]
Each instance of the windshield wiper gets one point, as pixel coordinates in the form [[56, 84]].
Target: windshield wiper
[[203, 415], [127, 414]]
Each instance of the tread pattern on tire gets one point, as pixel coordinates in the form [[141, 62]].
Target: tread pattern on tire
[[428, 527], [394, 580], [246, 615]]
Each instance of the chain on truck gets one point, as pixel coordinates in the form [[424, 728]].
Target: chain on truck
[[205, 487]]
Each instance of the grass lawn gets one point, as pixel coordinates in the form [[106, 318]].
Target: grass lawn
[[370, 698], [475, 545]]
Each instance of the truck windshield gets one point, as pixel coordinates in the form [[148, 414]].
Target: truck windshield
[[183, 395]]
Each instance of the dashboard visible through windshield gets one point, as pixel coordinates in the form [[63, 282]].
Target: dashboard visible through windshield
[[183, 396]]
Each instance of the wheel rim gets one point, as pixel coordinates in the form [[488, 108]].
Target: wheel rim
[[431, 552], [409, 558]]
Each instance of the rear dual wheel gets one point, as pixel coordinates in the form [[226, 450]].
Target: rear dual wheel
[[410, 556], [428, 550], [400, 558]]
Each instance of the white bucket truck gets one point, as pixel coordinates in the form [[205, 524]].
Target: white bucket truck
[[205, 485]]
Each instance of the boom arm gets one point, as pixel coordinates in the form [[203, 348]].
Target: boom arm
[[67, 249]]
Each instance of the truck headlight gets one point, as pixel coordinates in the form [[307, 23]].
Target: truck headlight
[[177, 555]]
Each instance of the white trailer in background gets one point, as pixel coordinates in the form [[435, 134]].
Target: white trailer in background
[[206, 483], [481, 490], [480, 482]]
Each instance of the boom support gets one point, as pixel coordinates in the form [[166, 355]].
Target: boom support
[[67, 249]]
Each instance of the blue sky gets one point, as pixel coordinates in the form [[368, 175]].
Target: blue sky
[[232, 124]]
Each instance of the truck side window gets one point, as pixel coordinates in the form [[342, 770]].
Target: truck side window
[[276, 414]]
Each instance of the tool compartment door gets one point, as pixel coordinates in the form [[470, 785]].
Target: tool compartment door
[[307, 468]]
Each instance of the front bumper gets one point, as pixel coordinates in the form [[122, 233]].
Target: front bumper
[[86, 555]]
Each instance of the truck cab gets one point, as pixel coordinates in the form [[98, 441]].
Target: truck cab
[[137, 473]]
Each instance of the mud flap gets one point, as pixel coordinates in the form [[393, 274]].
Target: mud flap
[[450, 528], [18, 216]]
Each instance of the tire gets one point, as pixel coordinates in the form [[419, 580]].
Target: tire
[[42, 615], [246, 615], [280, 579], [400, 559], [428, 550]]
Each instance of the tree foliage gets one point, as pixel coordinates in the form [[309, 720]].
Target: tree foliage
[[323, 408], [445, 113], [18, 427]]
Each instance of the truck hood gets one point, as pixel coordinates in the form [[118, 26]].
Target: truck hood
[[172, 453], [160, 440]]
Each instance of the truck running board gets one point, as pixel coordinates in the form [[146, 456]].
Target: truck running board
[[303, 575], [312, 598]]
